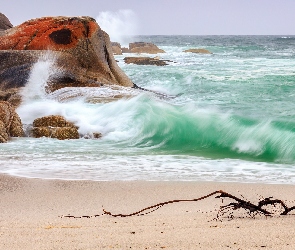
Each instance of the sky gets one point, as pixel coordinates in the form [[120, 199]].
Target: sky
[[167, 17]]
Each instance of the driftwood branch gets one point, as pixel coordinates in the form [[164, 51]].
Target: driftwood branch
[[237, 203]]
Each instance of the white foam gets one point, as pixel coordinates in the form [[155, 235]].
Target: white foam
[[48, 158], [41, 72]]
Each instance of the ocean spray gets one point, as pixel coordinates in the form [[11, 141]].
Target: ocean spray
[[121, 26], [40, 74]]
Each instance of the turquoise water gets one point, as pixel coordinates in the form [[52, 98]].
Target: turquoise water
[[228, 116]]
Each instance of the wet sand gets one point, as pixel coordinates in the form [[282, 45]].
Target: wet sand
[[33, 216]]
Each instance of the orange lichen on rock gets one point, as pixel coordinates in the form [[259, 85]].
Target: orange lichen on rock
[[81, 51], [54, 33]]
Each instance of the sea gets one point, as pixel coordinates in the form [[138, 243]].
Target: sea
[[228, 116]]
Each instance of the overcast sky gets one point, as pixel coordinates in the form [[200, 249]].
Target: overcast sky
[[168, 17]]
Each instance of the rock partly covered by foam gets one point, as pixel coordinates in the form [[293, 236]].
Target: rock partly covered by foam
[[81, 51], [198, 51], [52, 121], [54, 126], [10, 122], [143, 47], [4, 22]]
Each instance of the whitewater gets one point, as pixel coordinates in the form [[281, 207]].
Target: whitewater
[[225, 116]]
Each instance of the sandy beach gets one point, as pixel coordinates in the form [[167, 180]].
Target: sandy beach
[[33, 216]]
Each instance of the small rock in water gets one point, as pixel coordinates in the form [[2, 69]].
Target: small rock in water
[[54, 126], [97, 135], [198, 51], [146, 61]]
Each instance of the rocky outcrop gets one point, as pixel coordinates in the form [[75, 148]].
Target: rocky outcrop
[[4, 22], [125, 50], [198, 51], [10, 123], [12, 96], [143, 47], [82, 53], [54, 126], [116, 47], [146, 61]]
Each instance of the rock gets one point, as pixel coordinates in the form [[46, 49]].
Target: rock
[[10, 123], [146, 61], [52, 121], [97, 135], [82, 53], [54, 126], [3, 133], [198, 51], [38, 132], [116, 47], [125, 50], [143, 47], [4, 22], [64, 133]]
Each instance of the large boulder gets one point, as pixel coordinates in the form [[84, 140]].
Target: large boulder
[[143, 47], [4, 22], [81, 49], [54, 126], [10, 123]]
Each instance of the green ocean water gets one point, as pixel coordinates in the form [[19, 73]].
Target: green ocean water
[[245, 88], [227, 116]]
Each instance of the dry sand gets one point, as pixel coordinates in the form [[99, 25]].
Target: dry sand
[[32, 213]]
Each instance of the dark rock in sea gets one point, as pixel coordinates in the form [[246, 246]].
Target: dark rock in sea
[[146, 61], [10, 123], [4, 22], [54, 126], [97, 135], [198, 51], [116, 47], [142, 47], [82, 52]]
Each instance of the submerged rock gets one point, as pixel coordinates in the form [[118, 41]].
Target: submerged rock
[[10, 122], [198, 51], [142, 47], [54, 126], [95, 135], [146, 61], [81, 51]]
